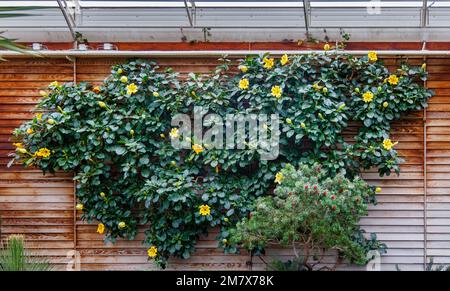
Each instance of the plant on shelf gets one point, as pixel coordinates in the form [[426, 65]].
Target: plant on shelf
[[117, 138], [15, 257], [314, 214]]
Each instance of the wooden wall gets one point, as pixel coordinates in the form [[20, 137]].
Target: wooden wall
[[412, 216]]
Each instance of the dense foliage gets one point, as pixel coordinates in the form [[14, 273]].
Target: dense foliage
[[313, 213], [117, 139]]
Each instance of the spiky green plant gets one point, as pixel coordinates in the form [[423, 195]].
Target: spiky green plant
[[15, 257]]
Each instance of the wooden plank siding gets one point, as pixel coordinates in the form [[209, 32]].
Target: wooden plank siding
[[407, 218]]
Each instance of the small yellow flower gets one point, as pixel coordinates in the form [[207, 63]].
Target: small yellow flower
[[102, 194], [385, 104], [119, 71], [268, 63], [316, 86], [278, 178], [197, 148], [174, 133], [303, 125], [96, 89], [284, 59], [155, 94], [326, 47], [372, 56], [101, 104], [226, 219], [43, 153], [243, 69], [388, 144], [243, 84], [18, 145], [162, 135], [100, 228], [30, 130], [173, 163], [51, 121], [123, 79], [122, 225], [131, 89], [368, 96], [277, 91], [79, 207], [393, 80], [39, 116], [378, 190], [54, 84], [325, 90], [424, 66], [132, 132], [43, 93], [205, 210], [21, 150], [152, 252], [288, 121]]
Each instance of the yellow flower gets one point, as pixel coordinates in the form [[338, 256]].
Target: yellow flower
[[119, 71], [424, 66], [102, 194], [100, 228], [131, 89], [152, 252], [96, 89], [284, 59], [368, 97], [205, 210], [54, 84], [39, 116], [43, 153], [51, 121], [122, 225], [243, 69], [385, 104], [43, 93], [393, 80], [372, 56], [325, 90], [288, 121], [316, 86], [101, 104], [276, 91], [197, 148], [278, 177], [378, 190], [162, 135], [79, 207], [268, 63], [123, 79], [155, 94], [326, 47], [21, 150], [388, 144], [243, 84], [303, 125], [174, 133], [18, 145], [30, 130]]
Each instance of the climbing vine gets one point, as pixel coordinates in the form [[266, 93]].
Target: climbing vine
[[116, 138]]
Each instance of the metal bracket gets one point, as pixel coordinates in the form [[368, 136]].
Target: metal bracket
[[69, 16], [190, 11], [306, 14]]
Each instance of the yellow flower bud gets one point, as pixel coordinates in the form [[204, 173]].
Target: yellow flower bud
[[303, 125], [51, 121], [155, 94], [378, 190], [288, 121], [122, 225], [79, 207], [102, 194], [385, 104]]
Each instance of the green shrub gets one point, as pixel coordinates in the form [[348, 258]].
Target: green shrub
[[312, 210], [14, 257], [116, 138]]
